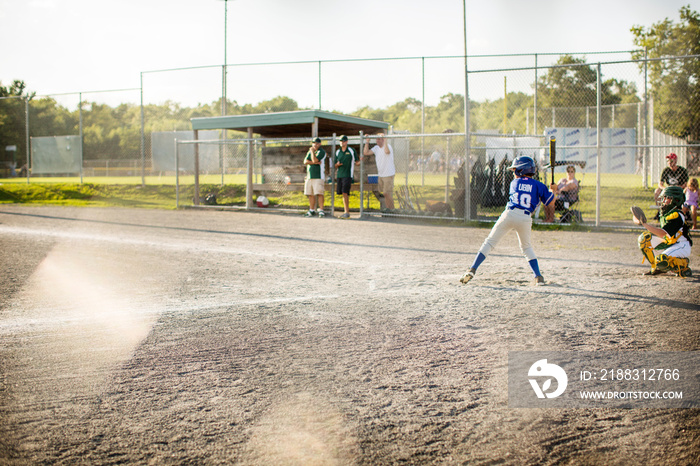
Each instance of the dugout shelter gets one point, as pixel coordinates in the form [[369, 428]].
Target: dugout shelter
[[304, 124]]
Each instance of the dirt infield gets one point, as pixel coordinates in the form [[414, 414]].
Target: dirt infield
[[210, 337]]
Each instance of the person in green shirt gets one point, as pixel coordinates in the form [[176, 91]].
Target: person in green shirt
[[345, 161], [313, 186]]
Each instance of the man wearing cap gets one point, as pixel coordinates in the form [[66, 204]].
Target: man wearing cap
[[345, 161], [384, 158], [313, 185], [673, 175]]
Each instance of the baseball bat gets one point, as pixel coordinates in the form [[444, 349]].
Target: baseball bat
[[552, 154]]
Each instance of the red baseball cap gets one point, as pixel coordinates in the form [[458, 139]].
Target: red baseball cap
[[671, 156]]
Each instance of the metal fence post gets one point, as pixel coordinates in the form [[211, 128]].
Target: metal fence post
[[26, 132], [598, 149], [645, 121], [447, 171], [535, 110], [143, 140], [362, 174], [467, 148], [196, 168], [177, 176], [80, 129], [319, 85], [332, 159], [249, 176], [422, 123]]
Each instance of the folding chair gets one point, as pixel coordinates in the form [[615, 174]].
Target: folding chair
[[569, 207]]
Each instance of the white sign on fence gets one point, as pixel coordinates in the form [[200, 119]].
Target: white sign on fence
[[614, 158], [163, 150], [56, 155]]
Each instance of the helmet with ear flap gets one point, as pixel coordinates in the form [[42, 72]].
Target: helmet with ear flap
[[524, 166], [677, 196]]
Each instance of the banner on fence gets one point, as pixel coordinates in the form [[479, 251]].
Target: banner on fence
[[615, 158], [163, 149], [56, 155]]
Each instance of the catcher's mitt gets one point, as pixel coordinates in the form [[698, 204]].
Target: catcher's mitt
[[638, 215]]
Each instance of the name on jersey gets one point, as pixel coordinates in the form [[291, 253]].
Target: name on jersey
[[525, 187]]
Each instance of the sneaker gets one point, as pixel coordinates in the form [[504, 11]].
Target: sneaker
[[539, 280], [345, 216], [321, 213], [310, 213], [467, 276]]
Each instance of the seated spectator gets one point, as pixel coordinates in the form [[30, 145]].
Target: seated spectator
[[690, 208], [566, 192], [567, 188]]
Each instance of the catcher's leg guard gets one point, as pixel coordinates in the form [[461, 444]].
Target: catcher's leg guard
[[680, 266], [644, 241], [662, 263]]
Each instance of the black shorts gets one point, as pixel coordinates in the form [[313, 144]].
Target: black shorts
[[343, 185]]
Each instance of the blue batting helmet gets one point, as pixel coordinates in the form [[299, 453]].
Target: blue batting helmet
[[524, 166]]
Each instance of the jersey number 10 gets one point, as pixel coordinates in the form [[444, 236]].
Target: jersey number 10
[[524, 201]]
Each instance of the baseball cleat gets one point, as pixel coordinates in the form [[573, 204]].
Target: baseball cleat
[[309, 213], [467, 276], [539, 280]]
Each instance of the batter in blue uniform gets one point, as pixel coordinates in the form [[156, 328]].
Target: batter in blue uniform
[[525, 194]]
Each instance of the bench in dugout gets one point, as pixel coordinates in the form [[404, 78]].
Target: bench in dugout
[[410, 199]]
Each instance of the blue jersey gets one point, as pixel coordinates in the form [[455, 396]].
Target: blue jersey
[[526, 193]]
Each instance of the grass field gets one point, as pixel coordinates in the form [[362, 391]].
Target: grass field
[[617, 192], [130, 180]]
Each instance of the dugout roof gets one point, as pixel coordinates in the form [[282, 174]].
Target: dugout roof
[[302, 123]]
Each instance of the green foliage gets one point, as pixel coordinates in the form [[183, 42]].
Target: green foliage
[[449, 114], [48, 119], [572, 84], [675, 84], [45, 193], [160, 196], [489, 114], [407, 115], [12, 118]]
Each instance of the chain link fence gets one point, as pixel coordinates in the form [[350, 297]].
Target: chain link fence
[[611, 124], [14, 111]]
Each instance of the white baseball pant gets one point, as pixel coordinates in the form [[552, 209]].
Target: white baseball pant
[[511, 219], [681, 249]]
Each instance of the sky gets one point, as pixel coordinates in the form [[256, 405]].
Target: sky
[[71, 46]]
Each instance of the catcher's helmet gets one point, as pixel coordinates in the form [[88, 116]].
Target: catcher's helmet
[[524, 166], [677, 196]]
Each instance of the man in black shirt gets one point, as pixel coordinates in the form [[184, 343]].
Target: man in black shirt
[[673, 175]]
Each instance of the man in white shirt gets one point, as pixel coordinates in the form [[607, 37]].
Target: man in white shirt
[[384, 158]]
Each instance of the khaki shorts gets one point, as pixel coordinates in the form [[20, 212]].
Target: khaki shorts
[[386, 184], [313, 187]]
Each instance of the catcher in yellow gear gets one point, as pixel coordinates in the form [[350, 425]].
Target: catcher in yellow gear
[[671, 240]]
